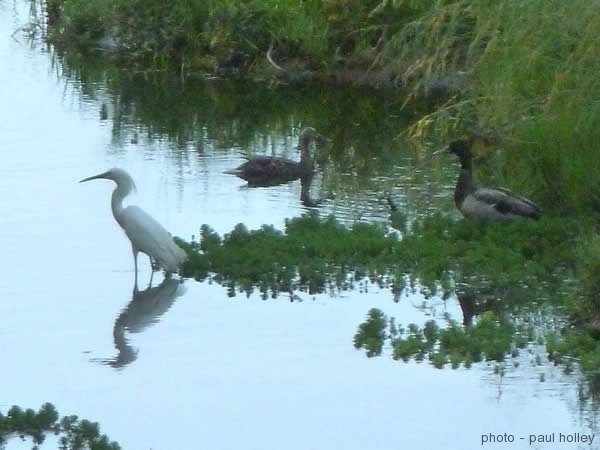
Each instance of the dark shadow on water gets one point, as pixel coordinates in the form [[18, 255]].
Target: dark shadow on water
[[144, 310], [306, 198]]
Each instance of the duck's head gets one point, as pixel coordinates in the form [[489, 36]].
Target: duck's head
[[308, 135], [461, 148]]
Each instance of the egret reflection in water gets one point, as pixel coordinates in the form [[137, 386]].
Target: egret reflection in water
[[144, 310]]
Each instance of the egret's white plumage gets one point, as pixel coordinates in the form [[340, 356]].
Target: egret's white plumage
[[145, 233]]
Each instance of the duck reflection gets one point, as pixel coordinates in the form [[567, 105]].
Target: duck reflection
[[305, 196], [475, 301], [468, 305], [145, 309]]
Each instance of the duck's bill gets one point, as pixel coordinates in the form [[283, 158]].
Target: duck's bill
[[440, 151]]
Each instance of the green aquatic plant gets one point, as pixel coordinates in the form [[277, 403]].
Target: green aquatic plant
[[371, 333], [415, 342], [312, 255], [578, 340], [75, 433], [517, 262], [489, 339], [496, 271], [580, 345]]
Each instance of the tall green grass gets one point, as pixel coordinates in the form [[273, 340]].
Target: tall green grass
[[538, 82], [532, 79], [323, 33]]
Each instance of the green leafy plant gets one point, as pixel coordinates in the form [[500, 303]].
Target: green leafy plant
[[75, 433]]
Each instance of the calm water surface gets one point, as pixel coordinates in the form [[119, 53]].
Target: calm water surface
[[185, 366]]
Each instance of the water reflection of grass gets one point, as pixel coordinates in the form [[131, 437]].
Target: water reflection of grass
[[201, 114], [500, 273]]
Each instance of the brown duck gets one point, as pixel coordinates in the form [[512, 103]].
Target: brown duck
[[271, 170], [497, 204]]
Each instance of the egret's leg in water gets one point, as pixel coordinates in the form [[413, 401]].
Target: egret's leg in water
[[135, 255]]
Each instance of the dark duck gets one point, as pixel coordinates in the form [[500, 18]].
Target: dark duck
[[271, 170], [486, 204]]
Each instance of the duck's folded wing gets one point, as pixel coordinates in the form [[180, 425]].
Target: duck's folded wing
[[506, 202], [268, 166]]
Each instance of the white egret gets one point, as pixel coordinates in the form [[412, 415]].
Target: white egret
[[145, 233]]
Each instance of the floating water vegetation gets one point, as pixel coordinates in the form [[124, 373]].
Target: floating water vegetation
[[75, 433], [501, 275], [488, 339], [438, 255]]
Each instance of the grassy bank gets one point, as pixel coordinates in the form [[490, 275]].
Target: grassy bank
[[270, 36]]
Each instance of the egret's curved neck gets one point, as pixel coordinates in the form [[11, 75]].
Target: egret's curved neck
[[116, 203]]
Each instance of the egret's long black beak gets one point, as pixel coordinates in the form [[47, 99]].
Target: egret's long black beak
[[95, 177]]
